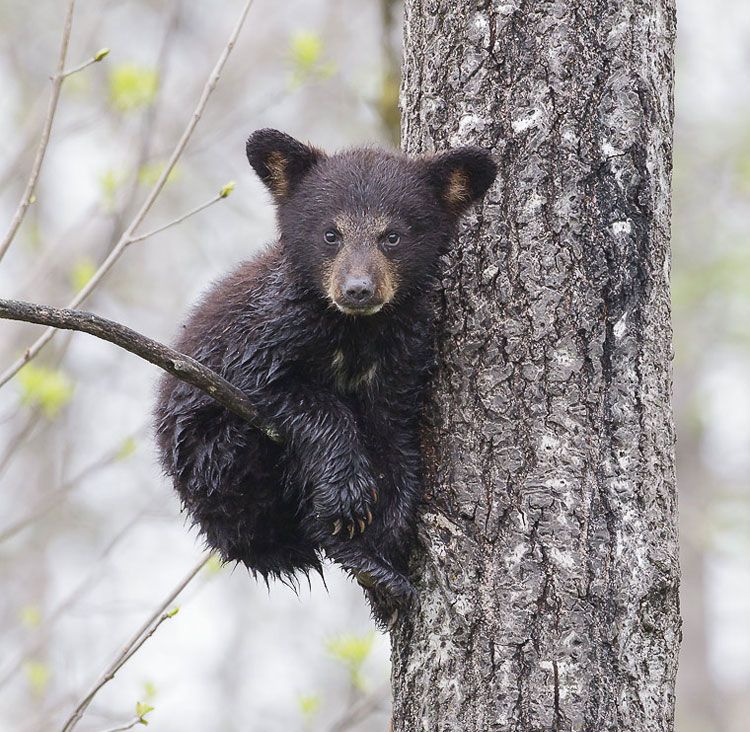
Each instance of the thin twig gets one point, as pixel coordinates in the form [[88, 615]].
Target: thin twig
[[95, 59], [137, 640], [127, 237], [127, 725], [74, 596], [56, 498], [148, 124], [17, 440], [359, 710], [178, 220], [178, 364], [57, 82], [140, 157]]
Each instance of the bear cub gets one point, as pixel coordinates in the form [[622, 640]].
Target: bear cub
[[329, 333]]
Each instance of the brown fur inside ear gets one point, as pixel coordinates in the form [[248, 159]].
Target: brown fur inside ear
[[461, 177], [277, 173], [279, 160], [458, 191]]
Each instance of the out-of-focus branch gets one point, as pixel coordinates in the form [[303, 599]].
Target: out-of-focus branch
[[16, 441], [178, 364], [74, 596], [134, 644], [58, 496], [148, 125], [129, 234], [359, 711], [57, 82]]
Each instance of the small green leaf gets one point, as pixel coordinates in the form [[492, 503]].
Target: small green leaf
[[37, 676], [305, 48], [45, 388], [31, 616], [132, 86], [352, 651], [82, 271], [149, 690], [101, 53], [227, 189], [306, 58], [109, 182], [141, 710], [173, 612], [309, 706], [127, 448]]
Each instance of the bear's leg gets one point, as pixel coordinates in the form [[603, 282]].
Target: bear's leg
[[229, 477], [326, 455], [369, 569]]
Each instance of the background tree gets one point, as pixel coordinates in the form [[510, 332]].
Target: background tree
[[549, 579]]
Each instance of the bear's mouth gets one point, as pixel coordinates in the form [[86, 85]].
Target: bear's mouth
[[349, 309]]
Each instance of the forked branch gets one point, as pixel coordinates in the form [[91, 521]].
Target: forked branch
[[129, 235], [129, 649], [41, 150]]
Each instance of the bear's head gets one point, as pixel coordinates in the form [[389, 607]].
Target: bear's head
[[366, 227]]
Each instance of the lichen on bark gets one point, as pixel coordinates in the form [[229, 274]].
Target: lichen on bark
[[548, 573]]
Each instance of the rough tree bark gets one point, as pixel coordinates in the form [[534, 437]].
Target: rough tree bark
[[549, 574]]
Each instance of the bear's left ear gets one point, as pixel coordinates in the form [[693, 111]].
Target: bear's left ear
[[279, 160], [461, 177]]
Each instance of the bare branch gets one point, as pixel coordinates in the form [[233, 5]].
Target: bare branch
[[359, 710], [178, 364], [218, 197], [131, 647], [70, 600], [17, 440], [56, 497], [128, 725], [95, 59], [129, 234], [57, 82]]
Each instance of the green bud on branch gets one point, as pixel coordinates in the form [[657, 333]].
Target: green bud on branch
[[227, 189]]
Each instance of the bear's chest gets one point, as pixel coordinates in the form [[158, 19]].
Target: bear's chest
[[355, 372], [359, 362]]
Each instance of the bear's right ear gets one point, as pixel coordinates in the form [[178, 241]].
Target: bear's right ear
[[461, 176], [279, 160]]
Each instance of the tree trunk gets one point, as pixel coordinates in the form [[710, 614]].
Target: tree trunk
[[549, 572]]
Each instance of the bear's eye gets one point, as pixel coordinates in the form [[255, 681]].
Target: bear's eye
[[392, 239], [331, 236]]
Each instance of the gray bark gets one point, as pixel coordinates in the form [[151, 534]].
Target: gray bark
[[549, 571]]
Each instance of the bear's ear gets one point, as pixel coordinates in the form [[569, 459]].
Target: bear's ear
[[461, 177], [279, 160]]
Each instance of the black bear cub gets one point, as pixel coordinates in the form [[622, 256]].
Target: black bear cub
[[329, 333]]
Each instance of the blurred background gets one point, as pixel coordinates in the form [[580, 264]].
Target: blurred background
[[91, 538]]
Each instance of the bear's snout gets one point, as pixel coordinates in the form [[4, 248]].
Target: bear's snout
[[359, 290], [361, 281]]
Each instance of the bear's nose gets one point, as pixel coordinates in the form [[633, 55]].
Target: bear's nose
[[358, 289]]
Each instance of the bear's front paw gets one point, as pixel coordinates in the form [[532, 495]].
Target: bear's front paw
[[347, 509]]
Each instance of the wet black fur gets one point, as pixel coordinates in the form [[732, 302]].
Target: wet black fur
[[269, 328]]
